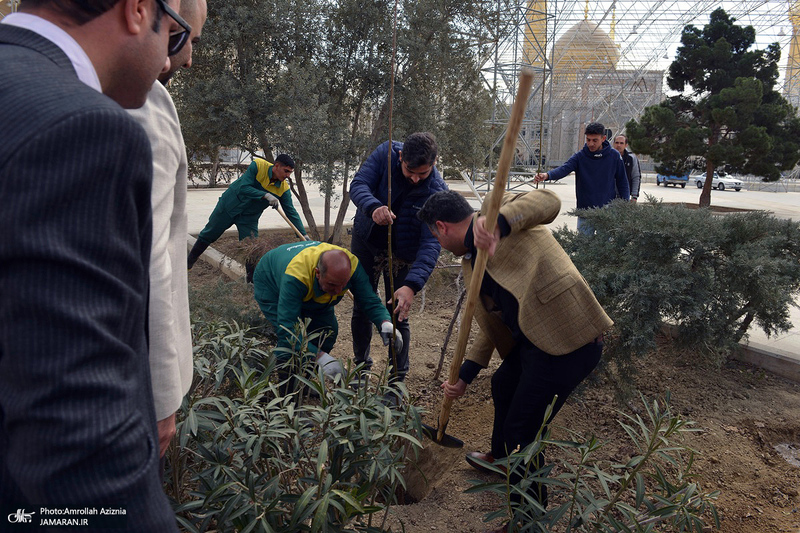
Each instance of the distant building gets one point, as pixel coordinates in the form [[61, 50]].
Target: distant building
[[586, 85], [791, 89]]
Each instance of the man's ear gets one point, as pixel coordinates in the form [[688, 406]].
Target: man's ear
[[399, 155], [138, 14], [441, 227]]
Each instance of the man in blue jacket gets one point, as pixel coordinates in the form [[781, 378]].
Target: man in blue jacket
[[599, 173], [414, 249]]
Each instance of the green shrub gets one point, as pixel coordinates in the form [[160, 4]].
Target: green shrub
[[710, 276], [251, 459], [225, 301], [653, 491]]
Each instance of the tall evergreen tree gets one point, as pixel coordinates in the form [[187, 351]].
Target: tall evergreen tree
[[729, 114]]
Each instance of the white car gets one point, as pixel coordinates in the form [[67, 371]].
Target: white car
[[719, 182]]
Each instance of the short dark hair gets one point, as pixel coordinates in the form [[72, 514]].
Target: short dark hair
[[621, 135], [285, 159], [420, 149], [595, 128], [79, 11], [447, 206]]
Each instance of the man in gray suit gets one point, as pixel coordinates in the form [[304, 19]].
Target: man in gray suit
[[77, 424], [170, 332]]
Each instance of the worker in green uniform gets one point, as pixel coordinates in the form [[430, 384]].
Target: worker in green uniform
[[307, 279], [262, 185]]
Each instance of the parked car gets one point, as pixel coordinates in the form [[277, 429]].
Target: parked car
[[719, 182], [663, 179]]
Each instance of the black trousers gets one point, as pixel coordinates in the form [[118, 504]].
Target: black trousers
[[372, 258], [524, 386]]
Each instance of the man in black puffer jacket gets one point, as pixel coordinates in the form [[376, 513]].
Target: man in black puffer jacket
[[415, 250]]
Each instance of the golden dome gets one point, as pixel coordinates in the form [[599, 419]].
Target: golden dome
[[585, 46]]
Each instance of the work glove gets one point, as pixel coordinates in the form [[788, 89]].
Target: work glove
[[331, 367], [386, 335], [272, 199]]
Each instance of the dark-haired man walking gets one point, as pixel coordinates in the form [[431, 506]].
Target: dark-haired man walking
[[599, 173]]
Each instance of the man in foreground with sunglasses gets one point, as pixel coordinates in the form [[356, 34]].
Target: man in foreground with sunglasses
[[170, 334], [77, 423]]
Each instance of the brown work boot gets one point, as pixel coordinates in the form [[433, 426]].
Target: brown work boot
[[474, 457]]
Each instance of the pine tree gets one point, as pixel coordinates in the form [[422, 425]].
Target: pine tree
[[729, 114]]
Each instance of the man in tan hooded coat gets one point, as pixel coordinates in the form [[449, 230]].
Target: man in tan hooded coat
[[535, 309]]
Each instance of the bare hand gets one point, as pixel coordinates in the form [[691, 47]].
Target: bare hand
[[541, 176], [382, 216], [166, 431], [403, 298], [454, 391], [483, 239]]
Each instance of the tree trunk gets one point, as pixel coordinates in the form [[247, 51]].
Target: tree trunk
[[327, 216], [744, 326], [705, 196], [336, 236], [266, 148], [212, 176], [302, 197]]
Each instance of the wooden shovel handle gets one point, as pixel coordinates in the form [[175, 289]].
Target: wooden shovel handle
[[297, 231], [492, 204]]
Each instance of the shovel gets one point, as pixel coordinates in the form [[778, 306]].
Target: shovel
[[493, 202], [448, 441], [297, 231]]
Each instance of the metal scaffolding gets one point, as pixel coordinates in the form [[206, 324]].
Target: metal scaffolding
[[605, 61]]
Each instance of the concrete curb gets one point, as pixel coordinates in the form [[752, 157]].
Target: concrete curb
[[231, 268], [772, 359]]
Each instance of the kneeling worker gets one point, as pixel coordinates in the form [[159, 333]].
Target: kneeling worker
[[535, 309], [306, 280], [262, 185]]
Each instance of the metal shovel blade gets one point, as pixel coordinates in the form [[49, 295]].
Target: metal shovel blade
[[447, 441]]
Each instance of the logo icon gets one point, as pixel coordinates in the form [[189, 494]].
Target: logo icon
[[20, 517]]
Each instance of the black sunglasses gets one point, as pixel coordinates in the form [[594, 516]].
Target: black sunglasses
[[176, 40]]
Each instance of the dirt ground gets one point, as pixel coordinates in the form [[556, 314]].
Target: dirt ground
[[745, 416]]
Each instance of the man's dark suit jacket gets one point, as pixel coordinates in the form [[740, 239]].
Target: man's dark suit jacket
[[77, 426]]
